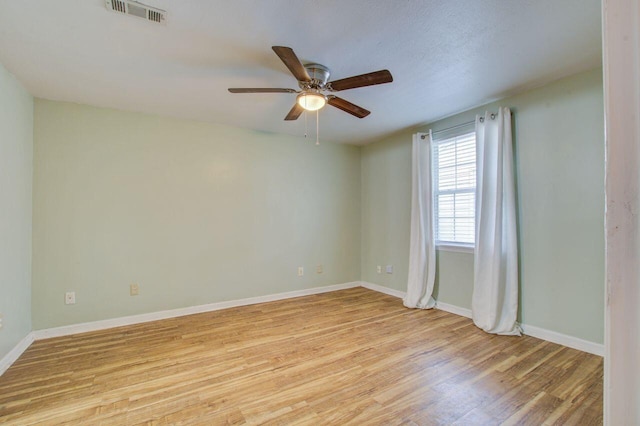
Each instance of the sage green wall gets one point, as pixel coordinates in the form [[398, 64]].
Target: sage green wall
[[559, 149], [194, 212], [16, 171], [198, 213], [386, 210]]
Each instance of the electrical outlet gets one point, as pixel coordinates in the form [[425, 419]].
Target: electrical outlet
[[319, 269], [389, 269], [134, 289], [70, 298], [1, 321], [379, 269], [300, 271]]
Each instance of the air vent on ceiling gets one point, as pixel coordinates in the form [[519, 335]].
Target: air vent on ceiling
[[134, 8]]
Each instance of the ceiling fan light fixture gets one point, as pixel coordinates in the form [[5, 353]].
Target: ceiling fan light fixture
[[313, 81], [312, 101]]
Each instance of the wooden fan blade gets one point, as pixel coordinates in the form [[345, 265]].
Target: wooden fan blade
[[292, 62], [260, 90], [295, 112], [347, 106], [370, 79]]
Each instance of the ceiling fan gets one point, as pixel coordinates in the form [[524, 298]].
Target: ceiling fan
[[316, 89]]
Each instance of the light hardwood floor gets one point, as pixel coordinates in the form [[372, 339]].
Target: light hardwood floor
[[348, 357]]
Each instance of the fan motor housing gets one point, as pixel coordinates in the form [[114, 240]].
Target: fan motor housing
[[319, 75]]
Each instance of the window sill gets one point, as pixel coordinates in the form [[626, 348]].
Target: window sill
[[455, 248]]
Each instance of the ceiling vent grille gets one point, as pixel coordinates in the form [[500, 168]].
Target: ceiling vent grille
[[134, 8]]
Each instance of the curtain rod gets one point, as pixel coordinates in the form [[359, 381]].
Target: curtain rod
[[468, 123]]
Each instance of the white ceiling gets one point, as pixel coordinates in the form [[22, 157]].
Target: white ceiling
[[445, 56]]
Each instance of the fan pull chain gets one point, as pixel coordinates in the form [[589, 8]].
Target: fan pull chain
[[317, 127], [305, 123]]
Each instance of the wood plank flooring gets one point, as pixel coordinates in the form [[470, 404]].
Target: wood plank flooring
[[347, 357]]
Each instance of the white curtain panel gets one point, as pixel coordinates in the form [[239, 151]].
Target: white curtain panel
[[422, 252], [494, 303]]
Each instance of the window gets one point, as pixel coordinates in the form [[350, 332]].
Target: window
[[454, 186]]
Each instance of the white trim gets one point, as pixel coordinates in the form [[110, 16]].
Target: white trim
[[563, 339], [154, 316], [538, 332], [456, 248], [463, 312], [621, 65], [383, 289], [15, 353]]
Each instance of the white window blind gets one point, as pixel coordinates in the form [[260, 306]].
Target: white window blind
[[454, 181]]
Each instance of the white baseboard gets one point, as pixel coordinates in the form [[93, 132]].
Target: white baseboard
[[529, 330], [15, 353], [537, 332], [382, 289], [463, 312], [154, 316], [563, 339]]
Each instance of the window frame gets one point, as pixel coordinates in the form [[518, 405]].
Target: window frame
[[444, 245]]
